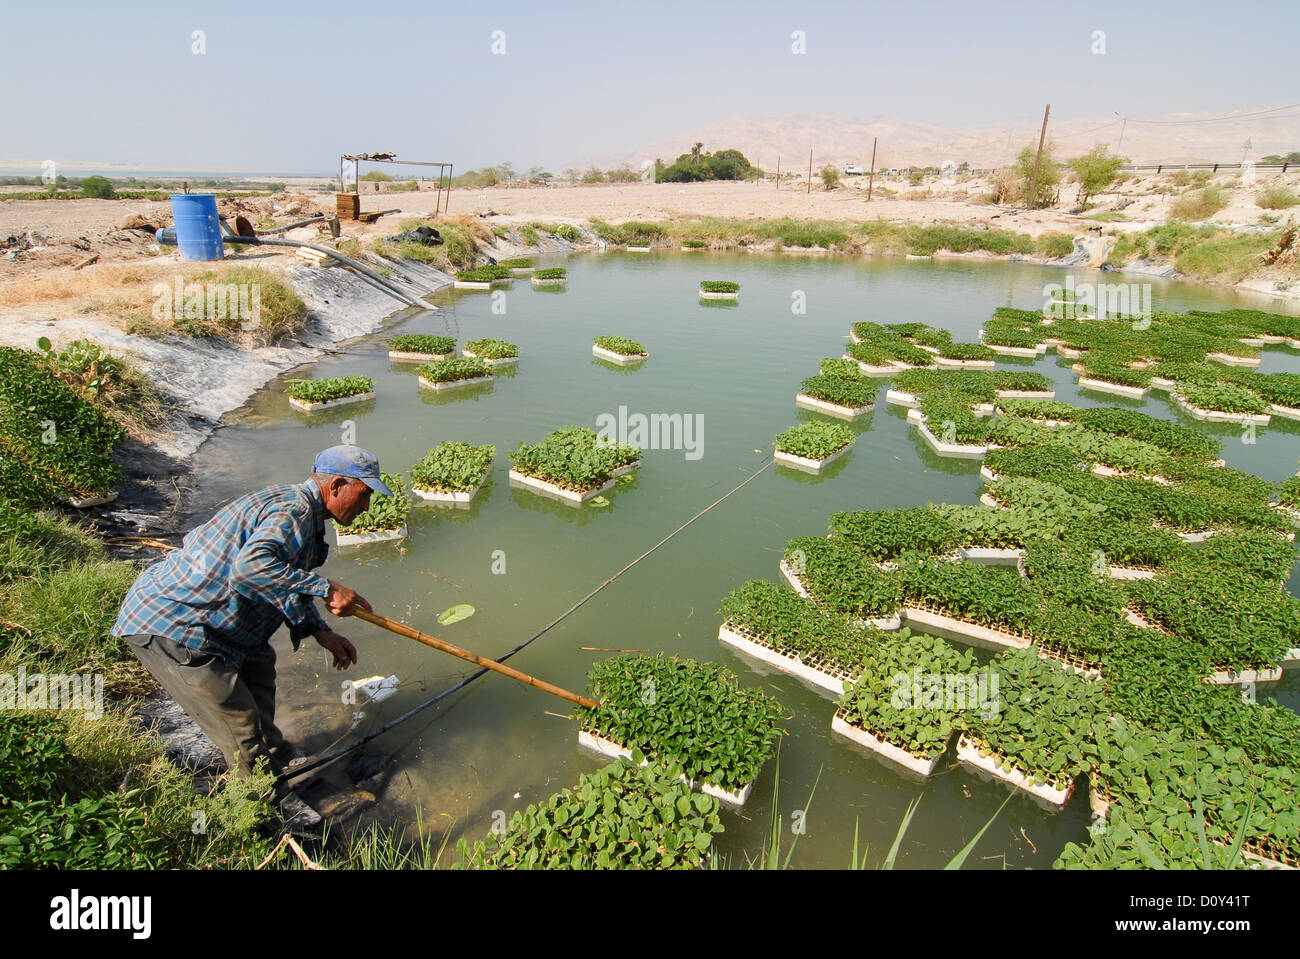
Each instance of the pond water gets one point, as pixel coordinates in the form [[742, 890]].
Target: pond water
[[499, 745]]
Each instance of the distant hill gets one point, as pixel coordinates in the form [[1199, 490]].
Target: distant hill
[[841, 140]]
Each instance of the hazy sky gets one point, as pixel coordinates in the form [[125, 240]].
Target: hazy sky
[[287, 87]]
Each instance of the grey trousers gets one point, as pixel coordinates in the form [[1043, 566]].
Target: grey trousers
[[235, 707]]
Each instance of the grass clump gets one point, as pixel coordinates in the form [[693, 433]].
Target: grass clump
[[1276, 196], [719, 286], [1200, 205]]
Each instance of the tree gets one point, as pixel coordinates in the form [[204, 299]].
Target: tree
[[1095, 170], [1049, 176], [97, 186], [571, 175], [830, 176], [379, 175], [593, 175]]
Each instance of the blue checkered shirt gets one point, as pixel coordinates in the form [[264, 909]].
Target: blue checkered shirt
[[238, 577]]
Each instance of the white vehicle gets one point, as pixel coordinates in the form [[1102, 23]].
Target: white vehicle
[[852, 169]]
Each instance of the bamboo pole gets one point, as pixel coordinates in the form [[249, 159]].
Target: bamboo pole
[[401, 629]]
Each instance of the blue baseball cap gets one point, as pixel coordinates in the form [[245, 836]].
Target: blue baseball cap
[[354, 463]]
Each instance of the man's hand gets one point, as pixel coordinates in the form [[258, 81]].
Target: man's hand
[[345, 654], [340, 598]]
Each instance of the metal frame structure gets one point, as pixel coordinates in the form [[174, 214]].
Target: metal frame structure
[[445, 169]]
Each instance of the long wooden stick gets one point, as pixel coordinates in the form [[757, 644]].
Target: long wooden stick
[[401, 629]]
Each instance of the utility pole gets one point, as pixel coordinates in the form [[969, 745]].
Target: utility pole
[[810, 172], [1122, 127], [872, 179], [778, 171], [1033, 190]]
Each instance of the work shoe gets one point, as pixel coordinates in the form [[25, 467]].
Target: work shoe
[[298, 817]]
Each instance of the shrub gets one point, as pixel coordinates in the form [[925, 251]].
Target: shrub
[[830, 176], [98, 187], [1054, 245], [1276, 196], [1201, 205], [1095, 170]]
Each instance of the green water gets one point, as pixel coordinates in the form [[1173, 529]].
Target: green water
[[737, 367]]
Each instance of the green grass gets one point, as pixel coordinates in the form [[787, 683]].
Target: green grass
[[1277, 196], [1114, 217], [1200, 205]]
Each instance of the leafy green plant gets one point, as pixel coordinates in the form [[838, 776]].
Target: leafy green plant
[[687, 712], [621, 345], [1223, 397], [319, 391], [484, 274], [840, 368], [719, 286], [573, 457], [460, 368], [385, 512], [420, 343], [491, 349], [854, 393], [619, 817], [452, 467], [518, 263], [814, 441], [551, 273]]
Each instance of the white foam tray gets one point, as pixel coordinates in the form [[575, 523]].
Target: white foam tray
[[946, 364], [618, 358], [472, 284], [886, 623], [1129, 572], [638, 249], [902, 398], [550, 281], [968, 753], [719, 296], [804, 401], [810, 465], [992, 555], [459, 496], [1026, 394], [988, 475], [781, 661], [877, 372], [1225, 677], [947, 627], [454, 384], [1227, 359], [1219, 416], [308, 407], [568, 495], [358, 539], [1289, 412], [405, 356], [956, 450], [1101, 386], [502, 361], [1029, 352], [902, 757]]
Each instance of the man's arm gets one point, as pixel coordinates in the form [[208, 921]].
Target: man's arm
[[262, 570]]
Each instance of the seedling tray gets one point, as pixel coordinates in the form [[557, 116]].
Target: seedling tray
[[1229, 677], [454, 384], [1029, 352], [360, 539], [1001, 768], [1220, 416], [1289, 412], [1130, 572], [607, 747], [759, 648], [309, 407], [992, 555], [809, 465], [804, 401], [456, 496], [920, 765], [1227, 359], [1026, 394], [944, 363], [956, 450], [621, 359], [719, 296], [886, 623], [1101, 386], [878, 372], [949, 627], [575, 497], [1067, 660], [472, 284], [552, 281], [401, 356], [501, 361]]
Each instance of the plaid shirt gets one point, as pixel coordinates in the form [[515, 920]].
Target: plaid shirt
[[238, 577]]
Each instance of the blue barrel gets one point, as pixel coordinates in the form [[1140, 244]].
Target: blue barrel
[[198, 231]]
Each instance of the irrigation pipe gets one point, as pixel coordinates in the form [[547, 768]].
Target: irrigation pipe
[[330, 757]]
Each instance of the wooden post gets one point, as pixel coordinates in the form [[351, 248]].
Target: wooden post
[[451, 172], [1033, 190], [778, 171], [872, 179], [810, 172]]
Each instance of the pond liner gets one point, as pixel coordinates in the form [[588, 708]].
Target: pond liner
[[807, 464], [1000, 767], [307, 406], [751, 644], [607, 747], [922, 766], [622, 359], [804, 401], [439, 386], [378, 536]]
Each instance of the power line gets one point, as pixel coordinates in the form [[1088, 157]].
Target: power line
[[1239, 116]]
